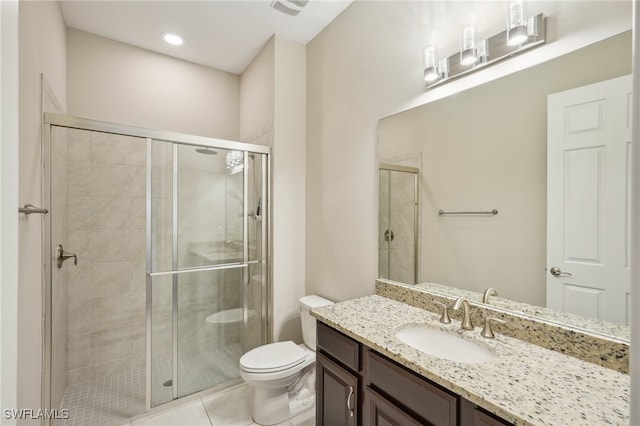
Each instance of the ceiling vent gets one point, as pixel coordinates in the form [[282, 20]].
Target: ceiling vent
[[290, 7]]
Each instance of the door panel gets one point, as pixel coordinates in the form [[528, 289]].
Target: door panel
[[337, 393], [381, 412], [583, 192], [588, 200]]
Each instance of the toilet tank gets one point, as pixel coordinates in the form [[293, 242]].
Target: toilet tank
[[307, 303]]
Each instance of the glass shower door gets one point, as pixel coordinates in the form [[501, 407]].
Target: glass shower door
[[208, 270]]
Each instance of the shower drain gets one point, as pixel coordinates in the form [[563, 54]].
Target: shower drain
[[168, 383]]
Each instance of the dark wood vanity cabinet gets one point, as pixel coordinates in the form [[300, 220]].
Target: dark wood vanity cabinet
[[337, 394], [337, 378], [357, 386]]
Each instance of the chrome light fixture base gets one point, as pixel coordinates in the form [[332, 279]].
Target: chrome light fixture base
[[494, 50]]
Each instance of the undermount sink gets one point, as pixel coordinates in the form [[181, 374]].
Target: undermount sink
[[442, 344]]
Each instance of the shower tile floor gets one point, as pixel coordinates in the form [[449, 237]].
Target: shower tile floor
[[110, 401]]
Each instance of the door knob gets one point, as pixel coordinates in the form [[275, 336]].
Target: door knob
[[388, 235], [557, 272]]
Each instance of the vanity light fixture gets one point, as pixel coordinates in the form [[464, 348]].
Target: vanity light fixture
[[430, 65], [443, 69], [516, 23], [468, 48], [482, 52], [475, 56], [172, 39]]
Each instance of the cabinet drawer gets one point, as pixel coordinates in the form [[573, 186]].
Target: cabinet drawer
[[342, 348], [423, 399]]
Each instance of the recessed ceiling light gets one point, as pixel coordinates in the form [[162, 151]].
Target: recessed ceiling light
[[173, 39]]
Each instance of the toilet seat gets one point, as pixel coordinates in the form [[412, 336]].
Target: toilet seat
[[273, 358]]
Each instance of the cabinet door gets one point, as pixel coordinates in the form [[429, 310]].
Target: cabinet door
[[380, 412], [427, 401], [336, 393]]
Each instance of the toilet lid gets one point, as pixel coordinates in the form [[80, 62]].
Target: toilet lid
[[272, 357]]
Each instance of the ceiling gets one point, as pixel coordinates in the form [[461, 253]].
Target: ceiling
[[225, 35]]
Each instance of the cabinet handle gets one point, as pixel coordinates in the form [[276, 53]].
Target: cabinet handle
[[349, 401]]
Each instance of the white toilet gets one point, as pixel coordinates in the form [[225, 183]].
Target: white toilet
[[282, 374]]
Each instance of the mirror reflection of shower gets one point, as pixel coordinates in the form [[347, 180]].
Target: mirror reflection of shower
[[235, 196], [206, 151], [235, 162]]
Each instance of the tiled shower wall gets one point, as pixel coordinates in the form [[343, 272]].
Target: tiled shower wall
[[396, 259], [106, 229], [402, 257]]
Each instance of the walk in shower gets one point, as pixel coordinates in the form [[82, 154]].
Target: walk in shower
[[157, 272], [398, 222]]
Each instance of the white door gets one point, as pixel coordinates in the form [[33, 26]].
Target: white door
[[588, 200]]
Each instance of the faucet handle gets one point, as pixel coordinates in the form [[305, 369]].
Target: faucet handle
[[444, 318], [487, 331], [488, 292]]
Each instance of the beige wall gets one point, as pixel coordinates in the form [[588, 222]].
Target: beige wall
[[366, 65], [120, 83], [9, 196], [358, 71], [486, 148], [288, 187], [257, 96], [42, 47], [272, 113]]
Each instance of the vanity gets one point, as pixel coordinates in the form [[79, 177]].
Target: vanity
[[357, 385], [367, 376]]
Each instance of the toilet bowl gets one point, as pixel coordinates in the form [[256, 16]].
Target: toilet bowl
[[283, 373]]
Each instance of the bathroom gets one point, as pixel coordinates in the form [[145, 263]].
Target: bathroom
[[325, 220]]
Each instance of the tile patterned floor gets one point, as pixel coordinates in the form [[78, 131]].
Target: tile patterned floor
[[110, 401], [230, 408]]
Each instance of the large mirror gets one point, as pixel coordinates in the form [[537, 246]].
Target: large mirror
[[485, 149]]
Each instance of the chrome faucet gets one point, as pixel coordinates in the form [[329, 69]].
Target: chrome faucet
[[488, 292], [466, 319]]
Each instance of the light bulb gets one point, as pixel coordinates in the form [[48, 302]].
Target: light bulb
[[468, 50], [516, 23], [172, 39], [430, 68]]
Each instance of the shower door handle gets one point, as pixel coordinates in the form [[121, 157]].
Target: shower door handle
[[62, 255]]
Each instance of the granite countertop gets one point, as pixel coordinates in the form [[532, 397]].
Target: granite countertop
[[616, 331], [524, 384]]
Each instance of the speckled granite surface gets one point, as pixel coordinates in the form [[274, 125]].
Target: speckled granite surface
[[592, 347], [524, 383], [616, 331]]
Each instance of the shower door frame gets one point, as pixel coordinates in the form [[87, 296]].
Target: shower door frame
[[50, 120], [397, 168]]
